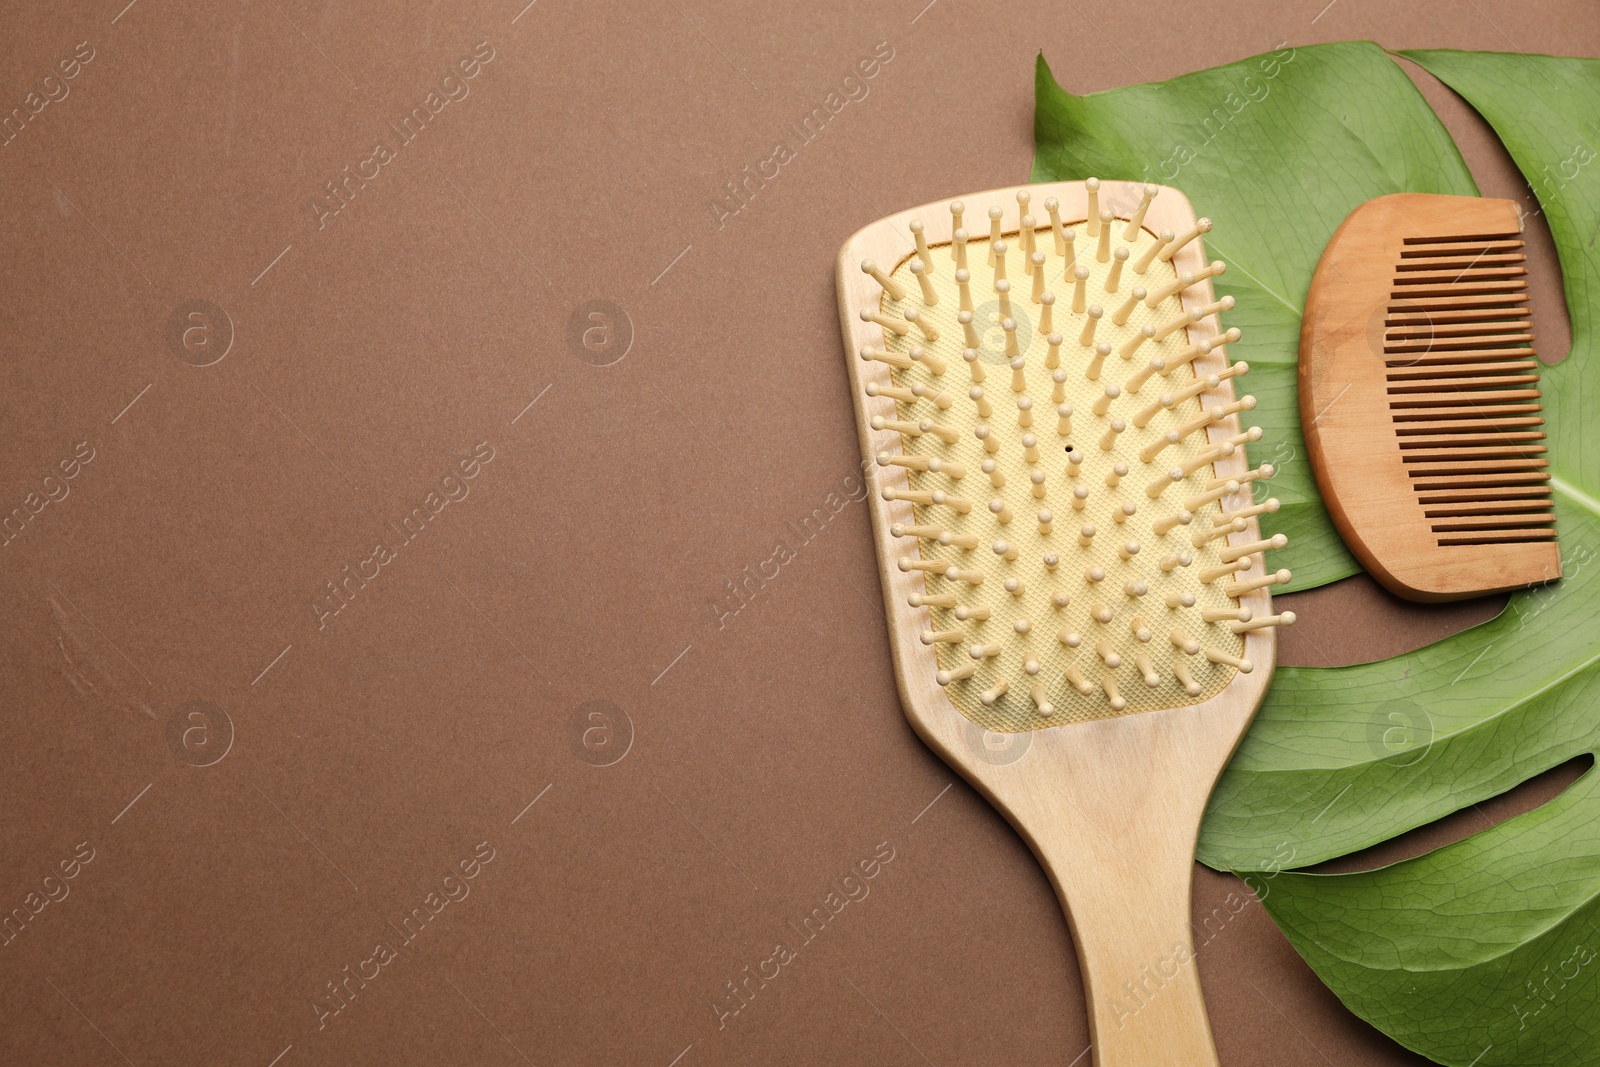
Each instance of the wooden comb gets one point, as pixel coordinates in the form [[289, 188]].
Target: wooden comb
[[1419, 397], [1067, 542]]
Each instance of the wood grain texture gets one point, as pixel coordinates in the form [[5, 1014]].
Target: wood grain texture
[[1419, 398], [1111, 808]]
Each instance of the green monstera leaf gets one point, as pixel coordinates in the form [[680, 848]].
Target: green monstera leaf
[[1276, 150], [1485, 952]]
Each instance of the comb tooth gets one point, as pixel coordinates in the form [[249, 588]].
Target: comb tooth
[[1446, 288], [956, 471], [957, 209], [1069, 237], [921, 355], [1147, 670], [900, 529], [976, 614], [1080, 497], [1013, 353], [1182, 559], [1142, 264], [995, 692], [958, 247], [1036, 268], [1025, 416], [1092, 223], [1002, 292], [1103, 404], [1500, 521], [1243, 666], [997, 477], [1220, 489], [1114, 275], [1463, 437], [988, 651], [998, 252], [1210, 455], [1046, 519], [1432, 273], [1493, 353], [1240, 588], [1423, 398], [960, 504], [1047, 304], [994, 233], [930, 295], [1052, 359], [1183, 642], [1518, 488], [1064, 420], [1201, 226], [1037, 694], [1107, 653], [1286, 619], [942, 637], [1239, 614], [1448, 371], [1225, 304], [1037, 478], [1080, 291], [1024, 198], [1114, 476], [895, 290], [965, 541], [1002, 513], [1180, 600]]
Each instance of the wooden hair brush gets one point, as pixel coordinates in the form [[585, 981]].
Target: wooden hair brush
[[1419, 395], [1068, 547]]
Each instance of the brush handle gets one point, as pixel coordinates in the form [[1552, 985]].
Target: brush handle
[[1127, 900], [1112, 810]]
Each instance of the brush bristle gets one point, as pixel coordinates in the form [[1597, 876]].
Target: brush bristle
[[1081, 558]]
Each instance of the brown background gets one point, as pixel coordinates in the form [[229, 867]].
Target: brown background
[[760, 759]]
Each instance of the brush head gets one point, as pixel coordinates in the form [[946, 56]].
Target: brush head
[[1420, 400], [1073, 537]]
